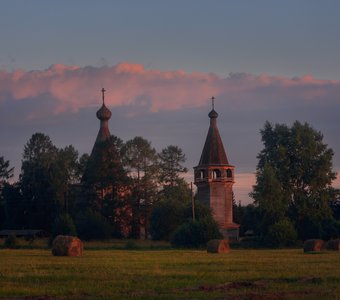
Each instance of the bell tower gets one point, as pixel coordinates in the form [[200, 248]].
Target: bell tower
[[214, 178]]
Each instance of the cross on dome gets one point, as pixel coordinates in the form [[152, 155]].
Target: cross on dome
[[103, 94]]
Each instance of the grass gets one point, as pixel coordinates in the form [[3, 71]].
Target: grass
[[169, 274]]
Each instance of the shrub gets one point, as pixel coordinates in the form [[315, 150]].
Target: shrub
[[11, 241], [165, 218], [330, 229], [281, 234], [92, 225], [193, 234], [63, 225]]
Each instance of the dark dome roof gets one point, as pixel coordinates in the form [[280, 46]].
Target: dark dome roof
[[104, 113], [213, 114]]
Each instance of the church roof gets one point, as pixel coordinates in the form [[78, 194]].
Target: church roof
[[213, 151], [104, 115]]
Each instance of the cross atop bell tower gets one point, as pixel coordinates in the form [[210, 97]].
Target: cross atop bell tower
[[103, 95]]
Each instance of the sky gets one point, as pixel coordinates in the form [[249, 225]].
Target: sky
[[161, 62]]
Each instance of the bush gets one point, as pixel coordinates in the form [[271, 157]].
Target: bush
[[165, 218], [330, 229], [63, 225], [92, 225], [281, 234], [193, 234], [10, 242]]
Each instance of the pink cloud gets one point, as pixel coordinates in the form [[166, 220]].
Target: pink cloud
[[72, 88]]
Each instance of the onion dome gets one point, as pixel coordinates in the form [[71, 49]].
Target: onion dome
[[213, 114], [104, 113]]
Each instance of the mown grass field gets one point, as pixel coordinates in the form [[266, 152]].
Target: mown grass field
[[169, 274]]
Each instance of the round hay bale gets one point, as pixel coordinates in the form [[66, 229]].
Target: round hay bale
[[64, 245], [218, 246], [313, 245], [333, 245]]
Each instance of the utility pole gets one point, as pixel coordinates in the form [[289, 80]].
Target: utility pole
[[192, 203]]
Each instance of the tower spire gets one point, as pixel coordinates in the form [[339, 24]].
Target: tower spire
[[213, 102], [103, 94]]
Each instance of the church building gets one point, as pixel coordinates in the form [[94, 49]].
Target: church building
[[214, 178]]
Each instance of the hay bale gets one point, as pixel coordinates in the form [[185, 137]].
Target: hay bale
[[64, 245], [333, 245], [313, 245], [218, 246]]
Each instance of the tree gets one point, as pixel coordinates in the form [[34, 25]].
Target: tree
[[46, 174], [294, 174], [36, 180], [107, 183], [171, 159], [141, 160], [5, 172], [268, 196]]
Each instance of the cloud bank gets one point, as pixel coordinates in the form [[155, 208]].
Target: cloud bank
[[62, 88]]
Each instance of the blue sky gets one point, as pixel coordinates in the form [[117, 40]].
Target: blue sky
[[160, 62]]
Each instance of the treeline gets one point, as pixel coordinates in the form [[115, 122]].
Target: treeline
[[127, 189], [123, 189]]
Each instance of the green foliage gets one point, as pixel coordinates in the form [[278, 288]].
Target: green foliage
[[131, 245], [202, 211], [5, 171], [11, 242], [46, 174], [294, 176], [249, 218], [91, 225], [171, 160], [104, 167], [64, 225], [166, 216], [281, 234], [141, 160], [179, 192], [194, 234]]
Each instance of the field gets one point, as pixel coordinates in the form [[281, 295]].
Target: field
[[150, 273]]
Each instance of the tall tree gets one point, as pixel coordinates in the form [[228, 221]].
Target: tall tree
[[141, 160], [171, 164], [46, 173], [107, 182], [36, 183], [5, 173], [297, 165], [268, 196]]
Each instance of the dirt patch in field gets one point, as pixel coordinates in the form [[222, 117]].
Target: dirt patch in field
[[259, 289]]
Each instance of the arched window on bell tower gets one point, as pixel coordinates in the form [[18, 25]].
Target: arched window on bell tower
[[216, 174]]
